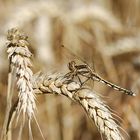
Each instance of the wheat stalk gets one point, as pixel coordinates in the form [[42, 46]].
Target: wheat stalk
[[19, 57], [29, 85], [96, 109]]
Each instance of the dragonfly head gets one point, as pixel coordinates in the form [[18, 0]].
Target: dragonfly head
[[71, 65]]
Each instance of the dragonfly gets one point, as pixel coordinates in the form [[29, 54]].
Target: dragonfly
[[84, 70]]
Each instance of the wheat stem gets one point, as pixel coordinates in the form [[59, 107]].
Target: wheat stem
[[11, 79]]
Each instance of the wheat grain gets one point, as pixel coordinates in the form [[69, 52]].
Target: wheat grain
[[100, 113], [19, 56], [54, 83], [90, 101]]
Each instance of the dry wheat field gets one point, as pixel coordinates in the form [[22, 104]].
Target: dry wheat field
[[69, 70]]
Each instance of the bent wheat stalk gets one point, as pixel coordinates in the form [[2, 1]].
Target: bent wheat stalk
[[96, 109], [19, 57]]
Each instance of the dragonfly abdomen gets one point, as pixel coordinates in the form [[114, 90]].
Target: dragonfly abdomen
[[99, 79]]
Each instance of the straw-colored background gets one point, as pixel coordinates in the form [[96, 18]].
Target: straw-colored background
[[105, 33]]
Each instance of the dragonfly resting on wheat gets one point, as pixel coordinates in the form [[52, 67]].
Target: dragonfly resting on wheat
[[86, 71]]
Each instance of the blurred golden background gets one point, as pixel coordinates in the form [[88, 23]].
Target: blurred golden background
[[105, 33]]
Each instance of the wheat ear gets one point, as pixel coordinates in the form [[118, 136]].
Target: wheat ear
[[96, 109], [99, 113], [19, 57]]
